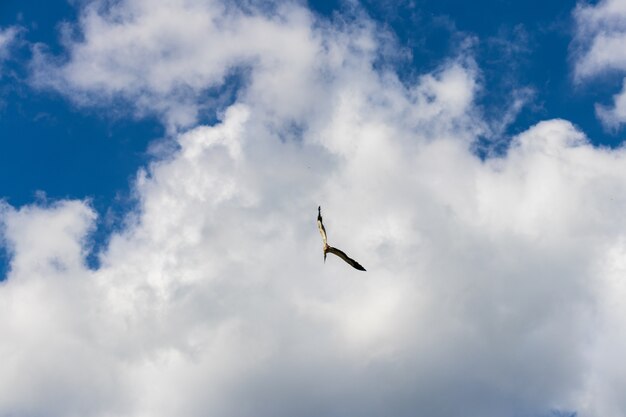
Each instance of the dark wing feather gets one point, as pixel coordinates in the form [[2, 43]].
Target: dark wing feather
[[320, 225], [345, 257]]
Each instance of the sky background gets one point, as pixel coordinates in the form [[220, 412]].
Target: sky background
[[162, 164]]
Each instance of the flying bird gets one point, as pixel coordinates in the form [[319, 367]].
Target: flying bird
[[330, 249]]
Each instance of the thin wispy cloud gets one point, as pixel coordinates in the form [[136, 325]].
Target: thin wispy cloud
[[493, 286], [8, 36]]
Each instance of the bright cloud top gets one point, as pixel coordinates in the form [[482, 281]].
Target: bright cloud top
[[494, 287], [601, 36]]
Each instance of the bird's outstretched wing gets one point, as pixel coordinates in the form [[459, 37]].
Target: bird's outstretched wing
[[345, 257], [320, 225]]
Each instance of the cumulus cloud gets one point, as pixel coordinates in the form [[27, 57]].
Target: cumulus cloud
[[494, 286], [162, 59], [598, 49]]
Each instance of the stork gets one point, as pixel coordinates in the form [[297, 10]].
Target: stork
[[330, 249]]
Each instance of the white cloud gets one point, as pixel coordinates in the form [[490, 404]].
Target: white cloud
[[601, 30], [614, 116], [598, 49], [163, 58], [7, 38], [493, 287]]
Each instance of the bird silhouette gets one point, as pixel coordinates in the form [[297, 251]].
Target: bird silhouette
[[330, 249]]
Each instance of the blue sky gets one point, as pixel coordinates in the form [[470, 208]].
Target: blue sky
[[65, 151], [159, 156], [49, 145], [52, 146]]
